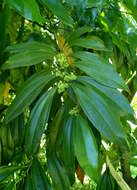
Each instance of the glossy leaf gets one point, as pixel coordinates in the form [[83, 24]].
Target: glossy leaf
[[90, 42], [99, 69], [113, 95], [58, 173], [39, 179], [86, 147], [68, 149], [5, 171], [32, 46], [37, 122], [28, 9], [54, 128], [100, 113], [29, 91], [58, 9], [30, 53]]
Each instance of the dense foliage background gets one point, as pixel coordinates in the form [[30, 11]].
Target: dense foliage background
[[68, 76]]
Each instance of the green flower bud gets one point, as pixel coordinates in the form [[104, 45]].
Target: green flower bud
[[74, 111], [62, 86], [61, 60], [70, 77]]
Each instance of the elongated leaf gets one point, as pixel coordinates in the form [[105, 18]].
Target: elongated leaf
[[58, 9], [68, 149], [29, 91], [122, 105], [28, 183], [57, 173], [28, 9], [0, 152], [30, 53], [18, 130], [132, 7], [99, 69], [86, 147], [89, 42], [7, 149], [5, 171], [39, 179], [54, 128], [79, 32], [37, 121], [10, 186], [32, 46], [100, 113]]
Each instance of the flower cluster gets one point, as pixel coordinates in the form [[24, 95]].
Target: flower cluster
[[74, 111], [62, 71]]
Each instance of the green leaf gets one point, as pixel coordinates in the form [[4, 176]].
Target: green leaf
[[58, 9], [100, 113], [7, 143], [2, 88], [39, 179], [85, 147], [54, 128], [95, 3], [57, 173], [112, 96], [68, 149], [28, 183], [32, 46], [29, 91], [37, 122], [29, 53], [99, 69], [90, 42], [17, 130], [133, 161], [5, 171], [79, 32], [10, 186], [131, 7], [28, 9]]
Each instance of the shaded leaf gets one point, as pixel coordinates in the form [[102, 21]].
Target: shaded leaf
[[28, 183], [57, 173], [5, 171], [10, 186], [29, 91], [58, 9], [39, 179], [37, 122], [54, 128], [68, 149]]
